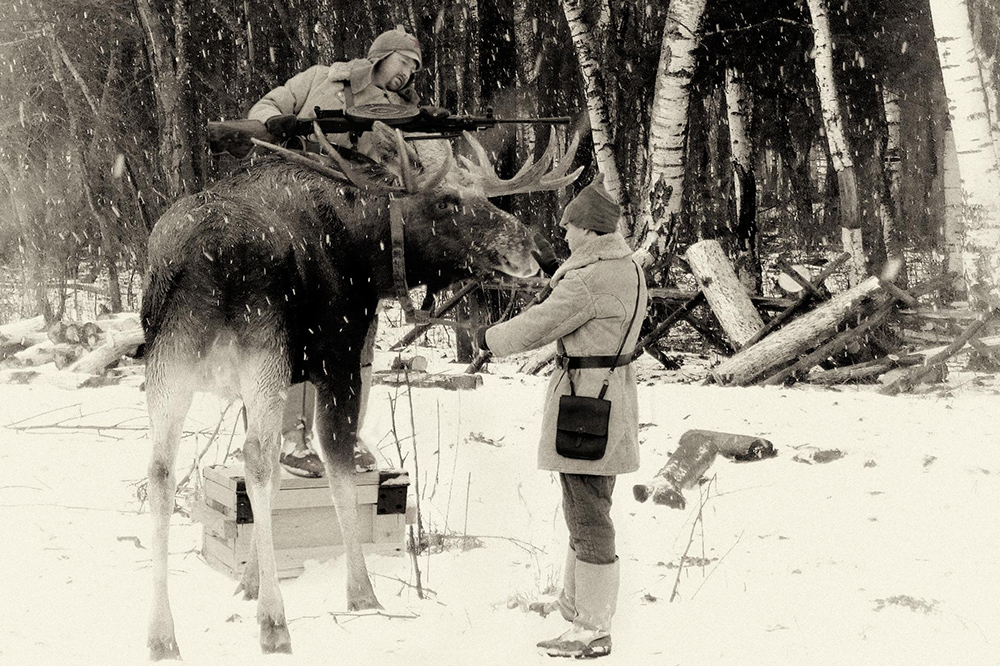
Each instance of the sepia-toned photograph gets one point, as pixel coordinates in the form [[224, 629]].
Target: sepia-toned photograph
[[500, 332]]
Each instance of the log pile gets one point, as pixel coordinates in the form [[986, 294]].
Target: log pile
[[31, 351]]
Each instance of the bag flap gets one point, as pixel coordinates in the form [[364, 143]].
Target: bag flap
[[583, 415]]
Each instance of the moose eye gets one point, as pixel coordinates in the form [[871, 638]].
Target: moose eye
[[444, 205]]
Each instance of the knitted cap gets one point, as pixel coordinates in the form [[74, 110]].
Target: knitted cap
[[395, 40], [593, 208]]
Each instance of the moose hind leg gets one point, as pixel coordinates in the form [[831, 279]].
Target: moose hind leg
[[168, 397], [260, 385], [337, 423]]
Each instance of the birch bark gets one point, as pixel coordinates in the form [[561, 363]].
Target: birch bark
[[744, 226], [661, 204], [840, 152], [586, 53], [977, 157]]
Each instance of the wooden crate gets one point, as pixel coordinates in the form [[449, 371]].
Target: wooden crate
[[304, 521]]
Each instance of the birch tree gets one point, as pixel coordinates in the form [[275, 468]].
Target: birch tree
[[744, 226], [661, 204], [977, 157], [840, 152], [585, 44]]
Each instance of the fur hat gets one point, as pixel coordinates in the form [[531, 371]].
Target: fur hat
[[593, 208], [396, 40]]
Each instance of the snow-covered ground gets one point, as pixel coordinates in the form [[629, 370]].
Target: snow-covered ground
[[887, 555]]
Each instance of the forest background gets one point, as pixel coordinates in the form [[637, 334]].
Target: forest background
[[777, 127]]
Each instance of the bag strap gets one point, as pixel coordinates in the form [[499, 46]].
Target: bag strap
[[635, 312]]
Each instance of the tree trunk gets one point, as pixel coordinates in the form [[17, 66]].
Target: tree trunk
[[840, 152], [953, 229], [170, 81], [584, 42], [977, 157], [798, 336], [744, 227], [726, 295], [892, 235], [661, 203]]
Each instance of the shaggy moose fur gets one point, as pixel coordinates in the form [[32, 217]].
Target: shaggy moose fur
[[272, 277]]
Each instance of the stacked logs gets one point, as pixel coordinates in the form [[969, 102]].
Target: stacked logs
[[80, 348]]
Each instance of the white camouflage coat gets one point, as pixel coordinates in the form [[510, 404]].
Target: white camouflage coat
[[324, 86], [592, 301]]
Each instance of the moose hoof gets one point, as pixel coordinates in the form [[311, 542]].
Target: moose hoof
[[367, 602], [163, 648], [274, 638]]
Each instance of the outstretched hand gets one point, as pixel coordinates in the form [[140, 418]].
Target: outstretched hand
[[545, 256]]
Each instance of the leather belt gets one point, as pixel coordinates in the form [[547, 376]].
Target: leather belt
[[577, 362]]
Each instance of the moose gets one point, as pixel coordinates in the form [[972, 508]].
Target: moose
[[271, 277]]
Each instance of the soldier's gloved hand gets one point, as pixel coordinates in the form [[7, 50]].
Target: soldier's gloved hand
[[434, 112], [545, 256], [282, 127]]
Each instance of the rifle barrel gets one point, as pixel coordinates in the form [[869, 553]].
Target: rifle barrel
[[555, 120]]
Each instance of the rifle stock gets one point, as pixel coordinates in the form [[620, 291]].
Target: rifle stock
[[233, 136]]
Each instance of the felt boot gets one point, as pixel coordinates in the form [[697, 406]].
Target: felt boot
[[596, 600], [566, 603]]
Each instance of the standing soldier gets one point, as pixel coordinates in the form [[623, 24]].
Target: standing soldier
[[593, 314], [385, 76]]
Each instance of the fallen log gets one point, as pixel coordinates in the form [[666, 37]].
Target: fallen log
[[861, 371], [795, 338], [844, 338], [116, 344], [804, 298], [911, 378], [726, 295], [20, 329], [427, 380], [695, 452], [664, 326]]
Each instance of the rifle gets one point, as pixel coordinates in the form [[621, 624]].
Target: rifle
[[233, 136]]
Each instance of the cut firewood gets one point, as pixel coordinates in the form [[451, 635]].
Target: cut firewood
[[47, 352], [726, 295], [796, 337], [694, 455], [116, 345]]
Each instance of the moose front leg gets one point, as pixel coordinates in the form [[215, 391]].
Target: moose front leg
[[337, 408]]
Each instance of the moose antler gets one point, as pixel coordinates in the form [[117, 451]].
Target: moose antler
[[548, 173]]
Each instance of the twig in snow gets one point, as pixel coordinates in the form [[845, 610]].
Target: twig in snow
[[204, 450], [717, 565], [697, 520], [48, 411]]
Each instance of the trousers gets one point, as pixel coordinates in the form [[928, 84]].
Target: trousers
[[587, 509]]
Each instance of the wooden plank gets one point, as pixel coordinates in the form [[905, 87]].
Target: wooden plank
[[221, 495], [389, 528], [222, 550], [215, 522], [224, 475]]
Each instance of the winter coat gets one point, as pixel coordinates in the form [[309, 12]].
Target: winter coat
[[324, 86], [587, 313]]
